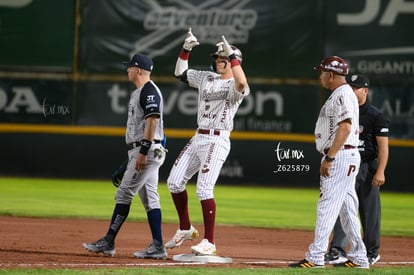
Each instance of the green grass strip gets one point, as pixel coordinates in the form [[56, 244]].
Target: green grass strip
[[236, 205]]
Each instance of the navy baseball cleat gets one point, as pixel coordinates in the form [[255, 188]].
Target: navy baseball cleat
[[306, 264], [155, 250], [101, 246]]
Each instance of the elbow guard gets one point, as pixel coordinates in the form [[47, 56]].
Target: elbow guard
[[182, 77]]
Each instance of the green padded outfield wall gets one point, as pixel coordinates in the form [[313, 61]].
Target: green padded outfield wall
[[37, 35], [60, 64]]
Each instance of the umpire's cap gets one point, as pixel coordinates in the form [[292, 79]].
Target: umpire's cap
[[333, 64], [140, 61], [359, 81]]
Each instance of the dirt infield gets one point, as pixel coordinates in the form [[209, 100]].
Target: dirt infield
[[57, 243]]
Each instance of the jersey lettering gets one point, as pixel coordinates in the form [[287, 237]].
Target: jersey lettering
[[351, 169]]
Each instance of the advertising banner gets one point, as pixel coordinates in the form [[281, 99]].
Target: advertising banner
[[271, 34], [374, 36], [396, 101], [34, 101], [269, 108], [37, 35], [376, 39]]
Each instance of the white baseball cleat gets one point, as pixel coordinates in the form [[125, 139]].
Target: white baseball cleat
[[181, 236], [204, 248]]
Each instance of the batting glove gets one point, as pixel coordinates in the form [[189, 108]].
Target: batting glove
[[225, 47], [191, 41]]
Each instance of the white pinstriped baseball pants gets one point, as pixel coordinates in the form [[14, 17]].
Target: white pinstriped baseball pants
[[204, 154], [338, 197]]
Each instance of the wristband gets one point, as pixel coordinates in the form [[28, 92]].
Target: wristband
[[145, 146], [184, 54], [329, 159], [233, 60]]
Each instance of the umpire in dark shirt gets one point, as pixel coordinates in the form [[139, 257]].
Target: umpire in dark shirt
[[373, 147]]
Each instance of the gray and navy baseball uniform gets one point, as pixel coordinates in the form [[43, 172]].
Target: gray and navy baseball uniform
[[144, 133], [337, 191], [144, 102]]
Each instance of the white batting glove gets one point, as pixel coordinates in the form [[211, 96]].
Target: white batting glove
[[191, 41], [227, 50]]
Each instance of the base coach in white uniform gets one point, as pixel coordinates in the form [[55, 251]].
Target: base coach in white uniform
[[337, 137], [373, 148]]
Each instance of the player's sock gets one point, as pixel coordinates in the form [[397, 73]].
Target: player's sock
[[120, 214], [181, 205], [154, 220], [209, 216]]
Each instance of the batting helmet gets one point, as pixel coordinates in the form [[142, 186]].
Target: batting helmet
[[333, 64], [220, 52]]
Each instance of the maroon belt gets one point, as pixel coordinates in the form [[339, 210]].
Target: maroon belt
[[207, 132], [345, 147]]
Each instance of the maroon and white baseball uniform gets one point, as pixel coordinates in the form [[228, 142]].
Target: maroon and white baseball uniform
[[220, 93], [218, 101], [337, 191]]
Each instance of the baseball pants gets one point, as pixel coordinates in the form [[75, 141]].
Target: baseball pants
[[338, 197], [369, 211]]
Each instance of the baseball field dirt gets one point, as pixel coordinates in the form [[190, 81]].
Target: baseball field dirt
[[57, 243]]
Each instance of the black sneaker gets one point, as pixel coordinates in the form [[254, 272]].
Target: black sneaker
[[334, 257], [101, 246], [350, 264], [305, 264], [154, 251]]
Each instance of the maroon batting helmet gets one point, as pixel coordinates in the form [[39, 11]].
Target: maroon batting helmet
[[333, 64]]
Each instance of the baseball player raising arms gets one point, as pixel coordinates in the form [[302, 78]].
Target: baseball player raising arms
[[220, 94], [337, 137], [145, 156]]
